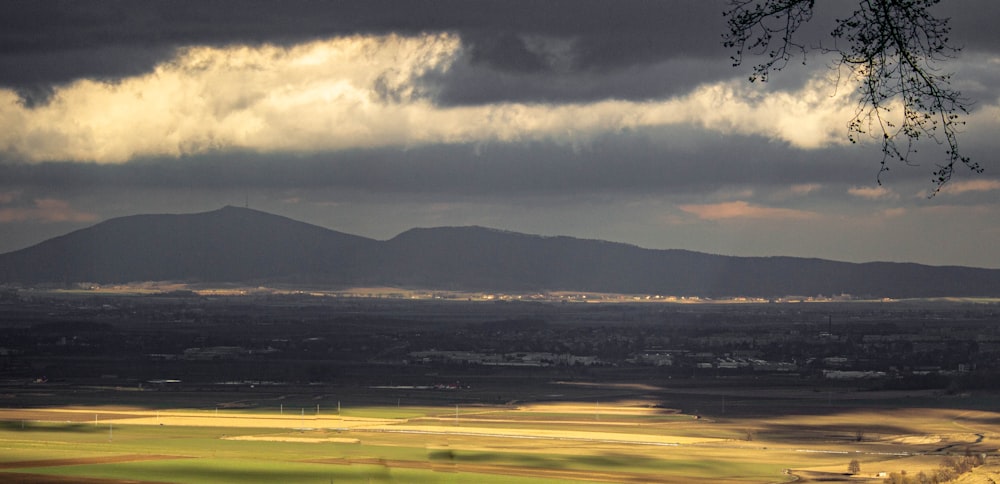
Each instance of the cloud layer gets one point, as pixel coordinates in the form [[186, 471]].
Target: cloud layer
[[364, 92]]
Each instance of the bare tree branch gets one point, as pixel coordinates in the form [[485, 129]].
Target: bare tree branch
[[892, 47]]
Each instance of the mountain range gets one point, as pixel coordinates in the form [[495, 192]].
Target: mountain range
[[240, 245]]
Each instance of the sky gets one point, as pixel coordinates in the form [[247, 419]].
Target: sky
[[620, 120]]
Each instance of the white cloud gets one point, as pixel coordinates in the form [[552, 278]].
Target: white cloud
[[361, 92], [873, 193], [963, 186], [811, 118]]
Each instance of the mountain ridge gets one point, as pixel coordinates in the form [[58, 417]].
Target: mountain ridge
[[234, 244]]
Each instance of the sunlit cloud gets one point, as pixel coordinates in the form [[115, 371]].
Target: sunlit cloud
[[873, 193], [810, 118], [795, 191], [340, 93], [363, 92], [744, 210], [963, 186], [45, 210], [805, 188]]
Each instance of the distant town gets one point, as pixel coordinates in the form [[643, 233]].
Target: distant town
[[228, 336]]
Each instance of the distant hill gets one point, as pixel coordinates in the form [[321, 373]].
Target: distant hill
[[230, 244], [247, 246]]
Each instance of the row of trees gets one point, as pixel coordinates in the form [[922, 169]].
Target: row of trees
[[951, 468]]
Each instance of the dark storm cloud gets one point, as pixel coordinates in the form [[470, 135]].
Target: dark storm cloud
[[972, 22], [45, 43], [615, 48], [469, 84], [34, 74], [626, 164]]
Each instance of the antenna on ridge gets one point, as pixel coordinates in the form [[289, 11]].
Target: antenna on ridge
[[247, 203]]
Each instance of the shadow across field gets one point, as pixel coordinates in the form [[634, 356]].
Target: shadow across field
[[854, 432], [27, 426], [568, 462], [115, 459]]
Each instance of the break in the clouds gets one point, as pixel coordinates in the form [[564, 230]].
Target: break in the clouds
[[615, 119]]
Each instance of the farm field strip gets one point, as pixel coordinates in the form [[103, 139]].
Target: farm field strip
[[576, 475], [216, 419], [386, 425], [114, 459]]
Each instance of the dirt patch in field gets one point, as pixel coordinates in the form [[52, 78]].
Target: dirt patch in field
[[111, 459], [918, 439], [637, 408], [307, 440]]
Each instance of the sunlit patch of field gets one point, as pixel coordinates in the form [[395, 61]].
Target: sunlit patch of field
[[581, 430], [542, 434], [635, 408], [286, 438], [220, 419]]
